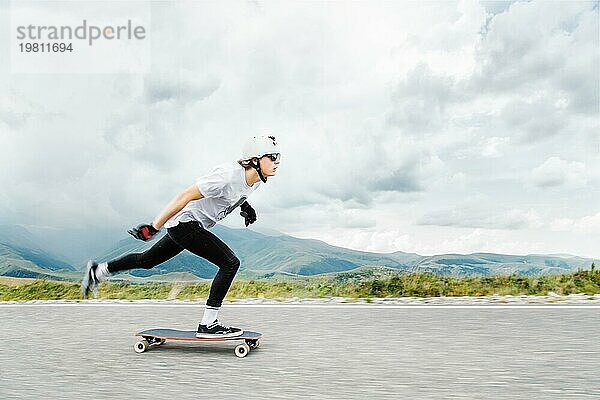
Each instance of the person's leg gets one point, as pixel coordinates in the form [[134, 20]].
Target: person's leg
[[222, 256], [206, 245], [163, 250]]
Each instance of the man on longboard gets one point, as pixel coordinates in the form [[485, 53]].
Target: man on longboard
[[188, 218]]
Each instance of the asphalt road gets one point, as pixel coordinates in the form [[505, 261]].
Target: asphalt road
[[86, 352]]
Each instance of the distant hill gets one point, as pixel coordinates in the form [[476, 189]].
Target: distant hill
[[20, 256], [487, 264], [272, 256]]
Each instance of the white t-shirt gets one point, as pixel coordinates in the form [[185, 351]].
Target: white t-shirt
[[224, 189]]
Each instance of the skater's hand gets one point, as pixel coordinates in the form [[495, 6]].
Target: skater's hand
[[248, 213], [143, 232]]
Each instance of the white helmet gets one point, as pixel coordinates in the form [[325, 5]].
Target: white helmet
[[258, 146]]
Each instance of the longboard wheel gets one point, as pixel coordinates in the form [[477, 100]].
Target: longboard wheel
[[242, 350], [253, 343], [141, 346]]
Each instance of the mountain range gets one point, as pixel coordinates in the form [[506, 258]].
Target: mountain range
[[24, 253]]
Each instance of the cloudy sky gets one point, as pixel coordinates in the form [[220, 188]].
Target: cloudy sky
[[427, 127]]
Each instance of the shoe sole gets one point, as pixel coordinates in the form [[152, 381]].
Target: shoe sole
[[212, 335]]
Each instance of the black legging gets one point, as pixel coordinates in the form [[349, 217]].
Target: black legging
[[193, 237]]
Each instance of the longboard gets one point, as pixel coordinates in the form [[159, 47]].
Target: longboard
[[157, 337]]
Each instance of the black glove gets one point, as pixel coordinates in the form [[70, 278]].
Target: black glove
[[248, 213], [143, 232]]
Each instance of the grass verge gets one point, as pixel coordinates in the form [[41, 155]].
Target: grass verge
[[401, 285]]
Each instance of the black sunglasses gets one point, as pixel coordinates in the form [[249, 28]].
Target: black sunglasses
[[273, 157]]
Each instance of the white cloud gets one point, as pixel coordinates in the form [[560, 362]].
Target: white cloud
[[586, 224], [494, 147], [556, 173], [534, 120], [482, 216], [390, 115], [483, 240]]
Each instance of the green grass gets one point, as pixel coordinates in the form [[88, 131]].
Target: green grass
[[399, 285], [40, 290]]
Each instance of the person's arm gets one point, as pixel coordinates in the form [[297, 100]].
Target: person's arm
[[175, 205], [147, 232]]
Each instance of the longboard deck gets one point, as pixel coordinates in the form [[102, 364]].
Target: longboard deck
[[156, 337], [174, 334]]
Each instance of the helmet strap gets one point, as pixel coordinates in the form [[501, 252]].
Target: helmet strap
[[256, 166]]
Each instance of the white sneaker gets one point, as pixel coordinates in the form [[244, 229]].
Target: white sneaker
[[89, 283], [216, 329]]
